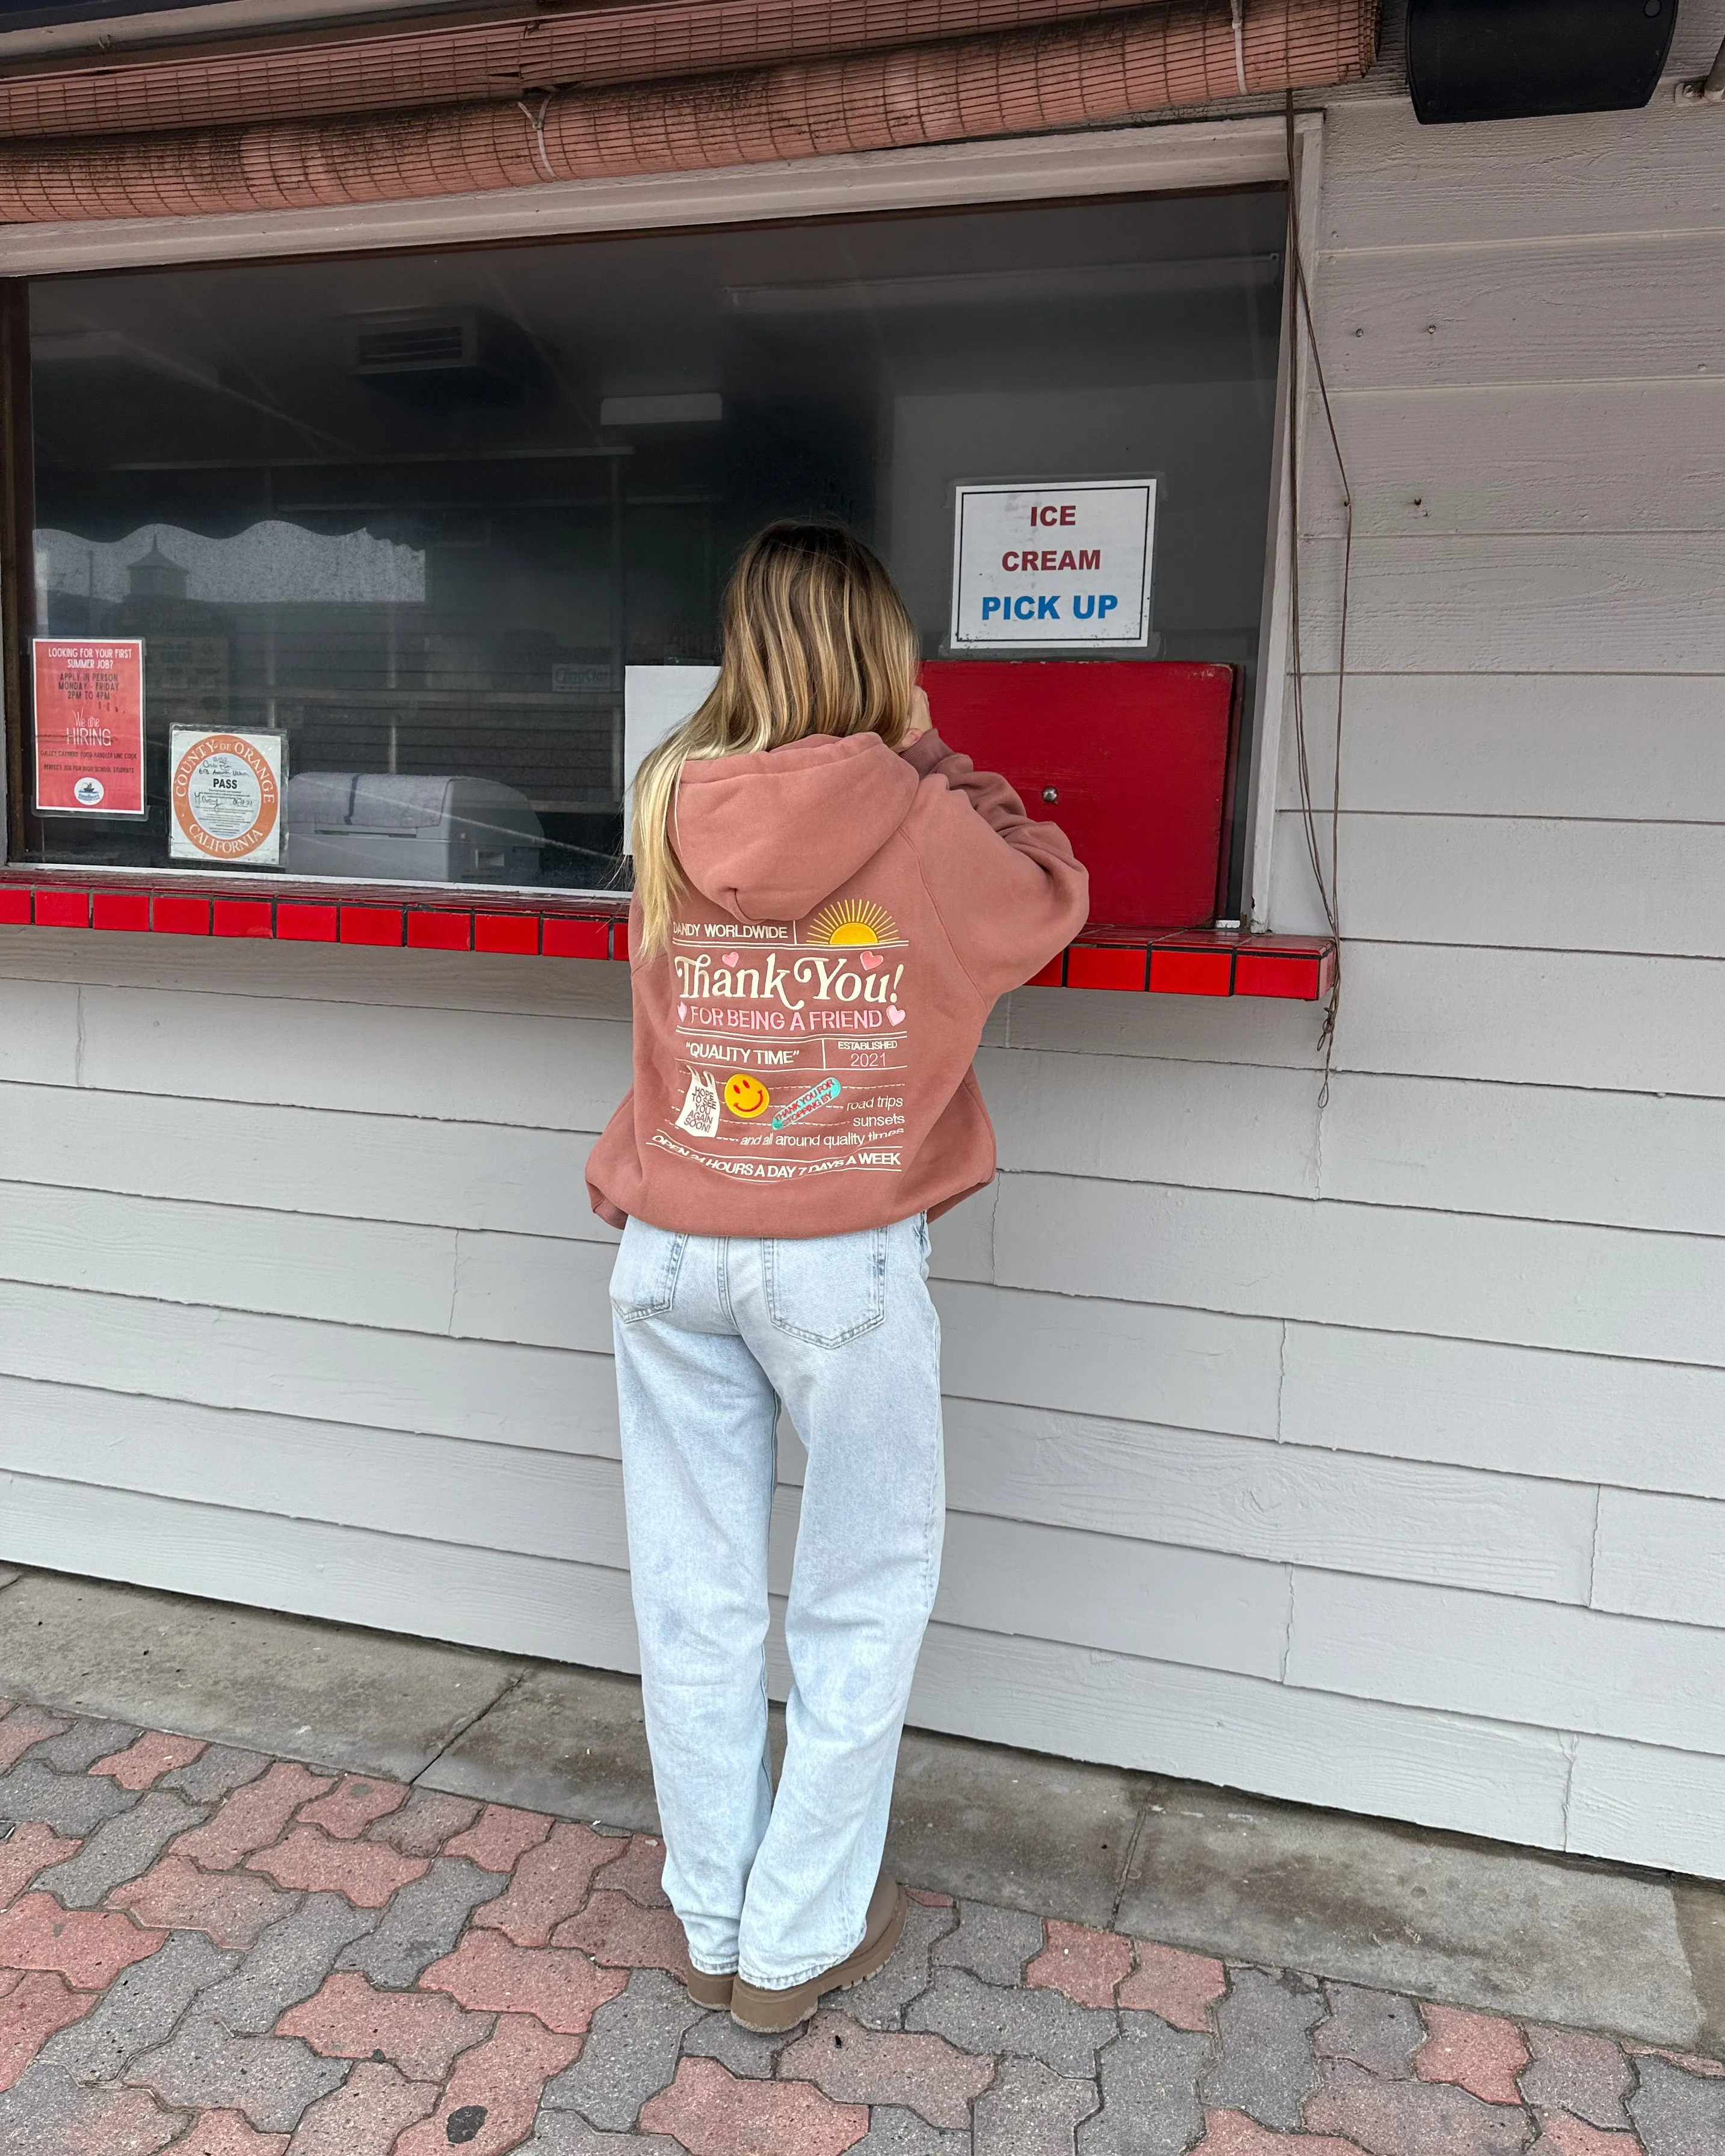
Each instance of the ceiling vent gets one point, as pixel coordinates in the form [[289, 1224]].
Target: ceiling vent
[[1513, 59], [442, 355]]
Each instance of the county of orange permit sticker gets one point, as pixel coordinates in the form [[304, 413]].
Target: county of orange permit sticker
[[224, 796]]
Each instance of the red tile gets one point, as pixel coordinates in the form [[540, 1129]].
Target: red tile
[[432, 931], [63, 909], [367, 1872], [142, 1764], [551, 1882], [14, 905], [517, 932], [619, 1934], [42, 2003], [713, 2114], [1098, 965], [1291, 973], [421, 2032], [243, 917], [296, 922], [488, 1975], [353, 1804], [126, 910], [89, 1947], [183, 916], [620, 939], [497, 1840], [1052, 976], [1480, 2052], [256, 1815], [494, 2092], [1191, 973], [31, 1848], [375, 925], [1088, 1966], [173, 1895], [1182, 1987], [576, 939]]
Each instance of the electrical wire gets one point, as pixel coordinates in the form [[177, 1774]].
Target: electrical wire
[[1327, 879]]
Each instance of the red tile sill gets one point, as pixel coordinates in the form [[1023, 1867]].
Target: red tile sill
[[1157, 961]]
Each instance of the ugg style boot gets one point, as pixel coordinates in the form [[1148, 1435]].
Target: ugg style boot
[[769, 2013]]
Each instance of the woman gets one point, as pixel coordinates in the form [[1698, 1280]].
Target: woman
[[828, 903]]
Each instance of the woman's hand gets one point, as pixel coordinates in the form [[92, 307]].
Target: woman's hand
[[922, 721]]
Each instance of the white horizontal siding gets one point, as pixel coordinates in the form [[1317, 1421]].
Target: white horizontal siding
[[1533, 1282], [1425, 463], [1636, 307], [1476, 1776], [1522, 883], [1534, 1017], [1510, 1659], [1543, 603], [1625, 747], [545, 1073], [1461, 1527], [1367, 1448], [1547, 1152], [1662, 1557], [1576, 176], [1643, 1805], [1590, 1418], [326, 1371]]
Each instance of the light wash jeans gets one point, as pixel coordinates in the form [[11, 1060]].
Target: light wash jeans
[[712, 1333]]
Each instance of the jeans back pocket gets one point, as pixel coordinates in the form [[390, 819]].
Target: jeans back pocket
[[826, 1289], [643, 1280]]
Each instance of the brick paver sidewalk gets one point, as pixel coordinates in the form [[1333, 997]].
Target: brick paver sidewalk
[[206, 1950]]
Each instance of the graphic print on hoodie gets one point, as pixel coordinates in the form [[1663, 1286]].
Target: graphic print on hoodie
[[803, 1047], [797, 1035]]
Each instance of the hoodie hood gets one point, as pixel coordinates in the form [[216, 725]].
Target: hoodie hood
[[768, 836]]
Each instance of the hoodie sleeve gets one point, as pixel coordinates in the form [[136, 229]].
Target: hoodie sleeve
[[1010, 893]]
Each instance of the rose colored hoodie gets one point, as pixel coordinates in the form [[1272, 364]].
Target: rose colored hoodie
[[803, 1048]]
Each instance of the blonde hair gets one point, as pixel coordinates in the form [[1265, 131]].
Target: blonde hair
[[816, 641]]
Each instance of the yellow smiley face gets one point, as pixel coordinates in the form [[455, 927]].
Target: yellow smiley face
[[746, 1096]]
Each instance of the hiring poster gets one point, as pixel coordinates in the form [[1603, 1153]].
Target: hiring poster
[[224, 797], [1062, 563], [90, 726]]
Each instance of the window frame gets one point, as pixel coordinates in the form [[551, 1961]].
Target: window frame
[[1162, 158]]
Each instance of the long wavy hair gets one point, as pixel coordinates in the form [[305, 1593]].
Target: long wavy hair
[[816, 640]]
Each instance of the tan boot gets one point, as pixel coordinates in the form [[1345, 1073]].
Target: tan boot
[[711, 1991], [769, 2013]]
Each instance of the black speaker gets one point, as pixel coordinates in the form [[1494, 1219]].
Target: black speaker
[[1509, 60]]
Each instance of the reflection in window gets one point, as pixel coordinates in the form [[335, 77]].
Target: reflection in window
[[419, 514]]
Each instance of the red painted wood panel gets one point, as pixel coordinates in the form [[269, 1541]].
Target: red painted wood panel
[[1138, 754]]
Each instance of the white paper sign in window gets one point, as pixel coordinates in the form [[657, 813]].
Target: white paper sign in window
[[1061, 562]]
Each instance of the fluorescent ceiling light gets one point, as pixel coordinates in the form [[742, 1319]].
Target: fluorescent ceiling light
[[693, 407], [1097, 280]]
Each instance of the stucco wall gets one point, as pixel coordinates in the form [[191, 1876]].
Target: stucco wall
[[1372, 1454]]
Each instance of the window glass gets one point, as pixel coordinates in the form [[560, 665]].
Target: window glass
[[416, 516]]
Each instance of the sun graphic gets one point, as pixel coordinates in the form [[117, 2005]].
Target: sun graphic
[[853, 921]]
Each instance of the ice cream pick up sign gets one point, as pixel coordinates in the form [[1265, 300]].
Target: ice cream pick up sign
[[1063, 565]]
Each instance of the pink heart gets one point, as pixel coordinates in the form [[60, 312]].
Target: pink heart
[[895, 1016], [871, 959], [682, 1010], [730, 957]]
